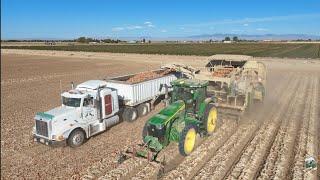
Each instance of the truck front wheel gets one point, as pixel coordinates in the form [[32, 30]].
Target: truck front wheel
[[76, 138]]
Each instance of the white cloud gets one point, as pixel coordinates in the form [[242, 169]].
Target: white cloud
[[246, 24], [149, 24], [164, 31], [146, 24], [262, 29], [134, 27], [118, 29]]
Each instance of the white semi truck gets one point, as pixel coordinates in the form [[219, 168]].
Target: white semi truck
[[95, 105]]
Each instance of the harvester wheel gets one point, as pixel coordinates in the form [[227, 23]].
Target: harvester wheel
[[211, 119], [142, 110], [130, 114], [187, 139]]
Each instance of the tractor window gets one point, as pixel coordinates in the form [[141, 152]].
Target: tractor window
[[182, 94]]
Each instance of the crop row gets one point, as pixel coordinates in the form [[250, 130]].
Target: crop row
[[253, 49]]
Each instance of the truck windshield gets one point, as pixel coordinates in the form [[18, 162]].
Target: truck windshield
[[73, 102]]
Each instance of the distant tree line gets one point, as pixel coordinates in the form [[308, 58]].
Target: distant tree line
[[80, 40], [37, 40], [87, 40]]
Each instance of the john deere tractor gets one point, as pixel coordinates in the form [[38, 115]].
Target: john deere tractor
[[189, 113]]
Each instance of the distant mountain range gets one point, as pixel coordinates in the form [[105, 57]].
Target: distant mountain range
[[255, 37]]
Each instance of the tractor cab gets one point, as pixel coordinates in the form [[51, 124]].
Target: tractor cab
[[193, 92]]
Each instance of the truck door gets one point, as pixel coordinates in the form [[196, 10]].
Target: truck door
[[108, 106], [89, 112]]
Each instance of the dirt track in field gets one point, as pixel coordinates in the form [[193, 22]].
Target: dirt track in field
[[270, 141]]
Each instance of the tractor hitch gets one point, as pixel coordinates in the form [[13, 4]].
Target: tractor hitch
[[148, 150]]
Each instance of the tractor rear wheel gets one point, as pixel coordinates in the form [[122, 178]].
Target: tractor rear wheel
[[187, 139], [211, 119]]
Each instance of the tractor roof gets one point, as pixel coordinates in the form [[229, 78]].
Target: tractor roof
[[190, 83], [167, 113]]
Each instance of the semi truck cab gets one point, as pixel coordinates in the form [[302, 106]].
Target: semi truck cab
[[88, 109]]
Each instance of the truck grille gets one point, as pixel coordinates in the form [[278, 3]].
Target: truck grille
[[42, 128]]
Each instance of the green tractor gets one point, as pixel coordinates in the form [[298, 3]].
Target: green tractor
[[189, 113]]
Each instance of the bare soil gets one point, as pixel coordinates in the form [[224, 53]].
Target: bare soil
[[270, 141]]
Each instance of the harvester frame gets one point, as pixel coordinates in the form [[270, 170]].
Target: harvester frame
[[236, 81]]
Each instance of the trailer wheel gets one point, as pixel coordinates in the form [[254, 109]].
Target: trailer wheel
[[76, 138], [211, 122], [142, 110], [130, 114], [187, 139]]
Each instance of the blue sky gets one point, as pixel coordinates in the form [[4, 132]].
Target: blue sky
[[167, 18]]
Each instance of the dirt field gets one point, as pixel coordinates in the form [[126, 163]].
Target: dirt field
[[272, 141]]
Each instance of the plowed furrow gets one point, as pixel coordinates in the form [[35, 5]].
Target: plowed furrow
[[196, 160], [221, 162], [281, 152], [297, 170], [313, 134], [219, 166], [252, 156]]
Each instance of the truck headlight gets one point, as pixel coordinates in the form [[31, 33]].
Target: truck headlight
[[58, 138]]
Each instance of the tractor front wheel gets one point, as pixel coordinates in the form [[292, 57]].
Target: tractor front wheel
[[211, 119], [187, 139]]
